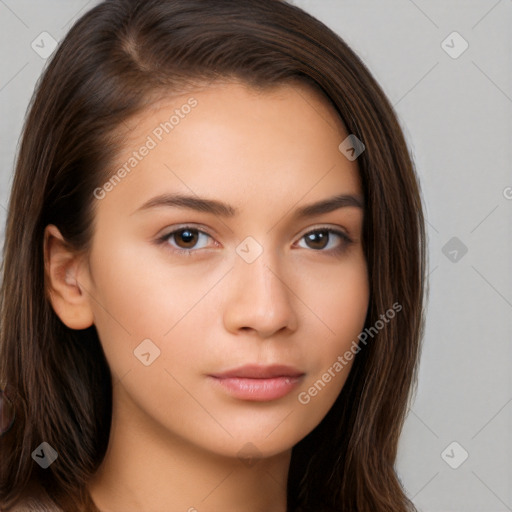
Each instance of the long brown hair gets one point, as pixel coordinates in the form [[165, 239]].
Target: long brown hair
[[114, 61]]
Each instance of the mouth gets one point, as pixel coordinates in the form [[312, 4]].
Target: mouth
[[259, 383]]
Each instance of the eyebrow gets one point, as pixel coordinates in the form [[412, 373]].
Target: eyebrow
[[219, 208]]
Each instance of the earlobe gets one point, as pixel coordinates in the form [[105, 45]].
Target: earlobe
[[64, 286]]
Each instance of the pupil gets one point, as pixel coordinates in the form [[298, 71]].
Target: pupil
[[319, 237]]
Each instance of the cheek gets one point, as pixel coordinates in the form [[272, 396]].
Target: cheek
[[347, 304], [338, 296], [137, 295], [340, 302]]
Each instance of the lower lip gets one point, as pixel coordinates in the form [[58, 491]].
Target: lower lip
[[258, 390]]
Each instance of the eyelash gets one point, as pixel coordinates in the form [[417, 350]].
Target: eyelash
[[345, 240]]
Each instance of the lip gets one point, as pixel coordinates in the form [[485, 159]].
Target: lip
[[259, 383]]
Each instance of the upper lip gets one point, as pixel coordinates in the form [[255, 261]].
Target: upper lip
[[256, 371]]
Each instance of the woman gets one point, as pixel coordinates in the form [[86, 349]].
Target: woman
[[213, 272]]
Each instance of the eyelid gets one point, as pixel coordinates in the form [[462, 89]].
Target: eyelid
[[179, 227], [320, 227]]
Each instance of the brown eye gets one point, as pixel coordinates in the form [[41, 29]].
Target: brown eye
[[326, 240], [317, 239], [186, 238]]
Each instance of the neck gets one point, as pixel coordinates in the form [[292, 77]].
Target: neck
[[147, 468]]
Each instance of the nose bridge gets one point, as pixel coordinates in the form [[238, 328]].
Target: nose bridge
[[260, 298]]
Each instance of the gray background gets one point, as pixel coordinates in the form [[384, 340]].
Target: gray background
[[457, 116]]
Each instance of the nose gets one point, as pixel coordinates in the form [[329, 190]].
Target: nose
[[259, 299]]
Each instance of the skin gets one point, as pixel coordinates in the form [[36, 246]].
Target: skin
[[177, 439]]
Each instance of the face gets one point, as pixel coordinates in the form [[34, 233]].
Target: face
[[221, 301]]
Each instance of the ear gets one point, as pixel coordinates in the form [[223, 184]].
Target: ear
[[67, 294]]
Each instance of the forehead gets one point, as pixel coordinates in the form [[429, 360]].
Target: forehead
[[233, 140]]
